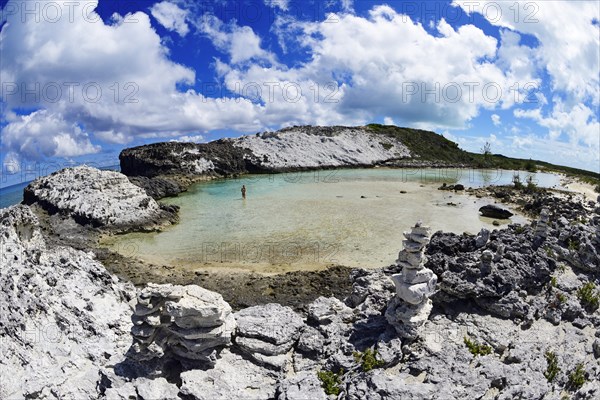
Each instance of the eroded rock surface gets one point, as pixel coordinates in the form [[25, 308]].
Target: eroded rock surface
[[62, 315], [98, 198]]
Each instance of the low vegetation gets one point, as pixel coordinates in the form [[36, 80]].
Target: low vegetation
[[330, 381], [552, 369], [589, 296], [434, 147], [477, 349], [577, 377], [368, 360]]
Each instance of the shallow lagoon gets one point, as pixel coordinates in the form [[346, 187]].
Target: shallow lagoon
[[309, 220]]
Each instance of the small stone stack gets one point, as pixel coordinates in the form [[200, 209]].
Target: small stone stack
[[411, 306], [485, 266], [541, 228], [184, 322]]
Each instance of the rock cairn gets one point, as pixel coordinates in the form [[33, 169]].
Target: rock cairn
[[485, 265], [541, 228], [411, 306], [188, 323]]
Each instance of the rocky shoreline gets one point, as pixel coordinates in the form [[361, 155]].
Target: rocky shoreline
[[508, 313]]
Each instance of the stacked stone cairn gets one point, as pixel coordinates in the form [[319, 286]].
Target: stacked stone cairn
[[187, 323], [485, 266], [411, 306], [541, 228]]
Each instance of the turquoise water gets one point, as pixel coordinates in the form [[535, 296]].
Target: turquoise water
[[12, 195], [313, 219]]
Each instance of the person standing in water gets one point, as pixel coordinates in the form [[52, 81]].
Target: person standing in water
[[243, 191]]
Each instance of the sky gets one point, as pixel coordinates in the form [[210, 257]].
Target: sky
[[83, 79]]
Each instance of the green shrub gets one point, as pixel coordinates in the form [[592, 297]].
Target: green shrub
[[553, 282], [386, 146], [573, 245], [549, 251], [561, 298], [531, 186], [530, 166], [552, 370], [368, 360], [519, 229], [330, 381], [477, 349], [588, 296], [577, 378]]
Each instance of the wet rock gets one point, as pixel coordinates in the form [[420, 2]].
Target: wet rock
[[493, 211]]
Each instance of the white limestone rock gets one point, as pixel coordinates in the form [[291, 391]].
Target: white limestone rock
[[159, 388], [298, 147], [302, 386], [232, 377], [271, 323], [188, 322], [63, 317], [99, 198], [328, 309]]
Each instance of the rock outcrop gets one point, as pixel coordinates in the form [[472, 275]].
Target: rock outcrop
[[303, 147], [411, 306], [63, 317], [267, 333], [104, 199], [187, 323]]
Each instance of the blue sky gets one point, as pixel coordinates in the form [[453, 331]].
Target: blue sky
[[83, 79]]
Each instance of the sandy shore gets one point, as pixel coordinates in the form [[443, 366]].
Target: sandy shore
[[586, 189]]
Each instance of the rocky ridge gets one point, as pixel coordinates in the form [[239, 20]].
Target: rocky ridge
[[166, 169]]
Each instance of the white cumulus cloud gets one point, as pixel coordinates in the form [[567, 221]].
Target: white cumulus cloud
[[171, 17]]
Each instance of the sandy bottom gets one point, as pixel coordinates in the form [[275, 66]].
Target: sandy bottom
[[287, 226]]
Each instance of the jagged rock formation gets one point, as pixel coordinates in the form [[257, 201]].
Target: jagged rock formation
[[414, 285], [62, 315], [267, 333], [98, 198], [188, 323]]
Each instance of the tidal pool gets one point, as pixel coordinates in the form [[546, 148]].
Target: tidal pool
[[310, 220]]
